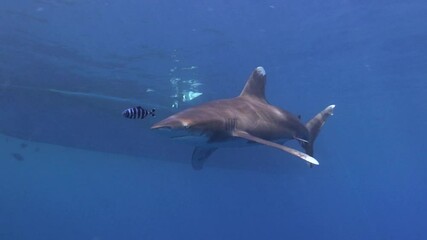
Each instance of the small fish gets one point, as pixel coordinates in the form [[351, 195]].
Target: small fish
[[138, 112]]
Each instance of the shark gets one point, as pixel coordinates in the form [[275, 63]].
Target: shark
[[245, 120]]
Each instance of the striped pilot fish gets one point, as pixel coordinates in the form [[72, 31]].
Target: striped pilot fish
[[138, 112]]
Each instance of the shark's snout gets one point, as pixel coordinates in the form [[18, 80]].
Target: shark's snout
[[171, 124], [167, 124], [162, 128], [179, 128], [167, 129]]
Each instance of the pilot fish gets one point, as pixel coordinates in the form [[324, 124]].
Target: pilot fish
[[138, 112]]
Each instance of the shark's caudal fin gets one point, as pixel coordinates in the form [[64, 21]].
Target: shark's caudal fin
[[314, 126], [255, 85]]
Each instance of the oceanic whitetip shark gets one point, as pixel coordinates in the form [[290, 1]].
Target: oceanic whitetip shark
[[243, 120]]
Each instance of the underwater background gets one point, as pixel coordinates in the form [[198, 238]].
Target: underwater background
[[71, 167]]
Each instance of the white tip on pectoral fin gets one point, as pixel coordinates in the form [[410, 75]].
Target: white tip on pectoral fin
[[292, 151], [301, 155]]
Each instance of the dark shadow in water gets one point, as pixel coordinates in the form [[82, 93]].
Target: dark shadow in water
[[21, 15], [57, 3], [18, 157]]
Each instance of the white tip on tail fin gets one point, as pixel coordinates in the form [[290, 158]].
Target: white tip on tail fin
[[330, 109]]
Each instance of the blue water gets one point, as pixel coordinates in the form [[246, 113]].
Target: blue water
[[71, 167]]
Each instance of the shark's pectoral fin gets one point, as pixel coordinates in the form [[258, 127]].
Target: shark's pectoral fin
[[200, 154], [303, 156]]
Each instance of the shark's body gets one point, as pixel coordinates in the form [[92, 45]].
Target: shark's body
[[242, 121]]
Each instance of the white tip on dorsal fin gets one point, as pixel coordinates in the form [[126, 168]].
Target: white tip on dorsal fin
[[255, 86]]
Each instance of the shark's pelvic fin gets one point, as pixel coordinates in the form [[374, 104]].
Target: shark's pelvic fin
[[303, 156], [200, 154], [255, 85]]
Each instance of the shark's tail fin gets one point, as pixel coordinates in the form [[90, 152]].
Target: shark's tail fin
[[314, 126]]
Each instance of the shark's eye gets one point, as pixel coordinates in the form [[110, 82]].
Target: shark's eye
[[185, 124]]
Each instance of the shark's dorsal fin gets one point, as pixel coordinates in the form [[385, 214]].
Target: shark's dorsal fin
[[255, 86]]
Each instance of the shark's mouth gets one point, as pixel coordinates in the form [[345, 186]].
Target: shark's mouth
[[191, 138], [162, 128], [188, 137], [180, 136]]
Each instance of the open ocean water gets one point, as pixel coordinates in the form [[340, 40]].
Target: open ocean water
[[71, 167]]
